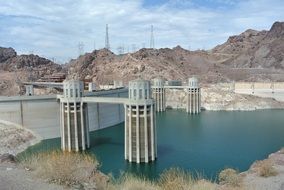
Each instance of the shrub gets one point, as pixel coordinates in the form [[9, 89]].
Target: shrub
[[204, 185], [175, 178], [131, 182], [229, 177], [63, 167], [265, 168]]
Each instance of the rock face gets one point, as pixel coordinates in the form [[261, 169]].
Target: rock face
[[250, 56], [6, 53], [221, 97], [15, 68], [255, 49], [14, 139], [29, 62], [252, 180]]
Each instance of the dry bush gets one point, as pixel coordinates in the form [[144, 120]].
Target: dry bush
[[63, 167], [204, 185], [131, 182], [172, 179], [176, 178], [230, 177], [265, 168]]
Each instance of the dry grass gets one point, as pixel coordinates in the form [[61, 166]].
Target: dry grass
[[230, 177], [131, 182], [63, 167], [265, 168], [204, 185], [175, 178], [80, 171], [179, 179], [172, 179]]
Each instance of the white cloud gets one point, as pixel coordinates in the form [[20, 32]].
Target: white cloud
[[54, 28]]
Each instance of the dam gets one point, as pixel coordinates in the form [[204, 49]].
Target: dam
[[201, 137], [78, 113]]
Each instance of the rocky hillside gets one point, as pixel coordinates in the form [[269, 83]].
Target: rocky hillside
[[250, 56], [7, 53], [10, 61], [103, 66], [15, 68], [255, 49]]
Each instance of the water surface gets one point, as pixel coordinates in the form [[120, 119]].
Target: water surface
[[204, 143]]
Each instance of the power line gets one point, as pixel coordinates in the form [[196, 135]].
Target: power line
[[80, 48], [120, 49], [134, 48]]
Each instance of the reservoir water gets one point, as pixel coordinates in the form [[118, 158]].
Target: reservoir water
[[204, 143]]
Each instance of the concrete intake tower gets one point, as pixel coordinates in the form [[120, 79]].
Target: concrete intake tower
[[159, 94], [74, 116], [193, 96], [140, 126]]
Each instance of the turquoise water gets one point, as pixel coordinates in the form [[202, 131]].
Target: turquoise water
[[204, 143]]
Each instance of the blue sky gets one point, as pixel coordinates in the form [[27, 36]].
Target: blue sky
[[53, 28]]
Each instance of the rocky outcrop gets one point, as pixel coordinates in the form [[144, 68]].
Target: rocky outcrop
[[6, 53], [250, 56], [15, 139], [16, 68], [255, 49], [275, 161], [221, 97]]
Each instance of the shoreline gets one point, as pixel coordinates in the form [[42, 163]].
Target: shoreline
[[250, 178]]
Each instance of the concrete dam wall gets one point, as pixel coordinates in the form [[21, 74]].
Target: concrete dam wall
[[41, 113]]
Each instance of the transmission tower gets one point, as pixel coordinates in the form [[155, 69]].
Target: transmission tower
[[107, 46], [120, 49], [152, 42], [80, 48], [134, 48]]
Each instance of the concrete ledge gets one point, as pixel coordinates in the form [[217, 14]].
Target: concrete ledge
[[25, 98]]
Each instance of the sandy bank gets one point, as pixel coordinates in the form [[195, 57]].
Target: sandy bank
[[15, 139], [252, 180]]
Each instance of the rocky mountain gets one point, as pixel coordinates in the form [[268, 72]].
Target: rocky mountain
[[250, 56], [255, 49], [7, 53], [15, 68], [103, 66], [10, 61]]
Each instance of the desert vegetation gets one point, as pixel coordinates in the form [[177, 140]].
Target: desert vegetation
[[264, 168], [64, 168], [81, 171], [230, 177]]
